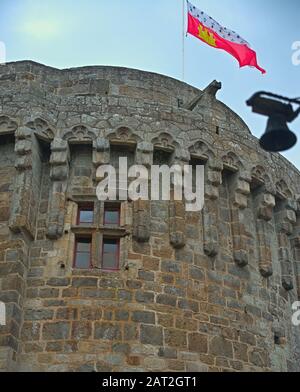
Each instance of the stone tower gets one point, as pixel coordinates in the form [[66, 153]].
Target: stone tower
[[144, 285]]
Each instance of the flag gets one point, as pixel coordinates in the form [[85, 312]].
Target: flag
[[212, 33]]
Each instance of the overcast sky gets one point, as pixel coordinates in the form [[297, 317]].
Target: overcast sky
[[147, 34]]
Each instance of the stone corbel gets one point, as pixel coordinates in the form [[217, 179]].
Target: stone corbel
[[285, 222], [241, 188], [101, 151], [181, 157], [141, 220], [144, 154], [23, 208], [177, 227], [213, 179], [295, 243], [59, 173], [240, 191], [296, 249], [177, 223], [211, 207], [265, 203]]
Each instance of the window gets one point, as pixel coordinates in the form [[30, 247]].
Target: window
[[82, 254], [111, 215], [194, 162], [110, 254], [85, 215], [162, 157], [121, 151], [98, 235]]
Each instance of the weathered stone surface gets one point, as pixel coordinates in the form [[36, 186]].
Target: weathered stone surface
[[167, 352], [144, 296], [175, 338], [194, 291], [219, 346], [56, 331], [151, 335], [143, 317], [107, 331], [198, 343]]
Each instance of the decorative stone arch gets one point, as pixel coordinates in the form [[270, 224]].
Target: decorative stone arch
[[165, 145], [258, 173], [283, 192], [41, 129], [165, 141], [232, 162], [262, 181], [259, 177], [79, 134], [201, 150], [7, 125], [124, 135]]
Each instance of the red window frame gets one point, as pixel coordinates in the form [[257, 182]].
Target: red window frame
[[84, 207], [112, 207], [117, 240], [78, 240]]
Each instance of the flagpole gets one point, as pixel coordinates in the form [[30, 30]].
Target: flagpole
[[183, 40]]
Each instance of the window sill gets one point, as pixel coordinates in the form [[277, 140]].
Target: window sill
[[94, 272], [83, 229], [108, 231], [113, 231]]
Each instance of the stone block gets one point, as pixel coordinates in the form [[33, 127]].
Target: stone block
[[151, 335], [144, 297], [107, 331], [175, 338], [167, 300], [81, 330], [84, 282], [143, 317], [198, 343], [167, 352], [218, 346], [56, 331]]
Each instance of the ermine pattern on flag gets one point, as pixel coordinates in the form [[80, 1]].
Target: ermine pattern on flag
[[212, 24]]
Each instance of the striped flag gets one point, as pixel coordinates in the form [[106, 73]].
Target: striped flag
[[205, 28]]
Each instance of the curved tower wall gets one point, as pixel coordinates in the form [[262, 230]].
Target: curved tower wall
[[196, 291]]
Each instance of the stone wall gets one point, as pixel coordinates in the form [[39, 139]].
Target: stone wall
[[204, 291]]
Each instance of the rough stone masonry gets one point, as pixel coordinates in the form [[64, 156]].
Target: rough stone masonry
[[192, 291]]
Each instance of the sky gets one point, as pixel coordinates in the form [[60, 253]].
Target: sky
[[148, 35]]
